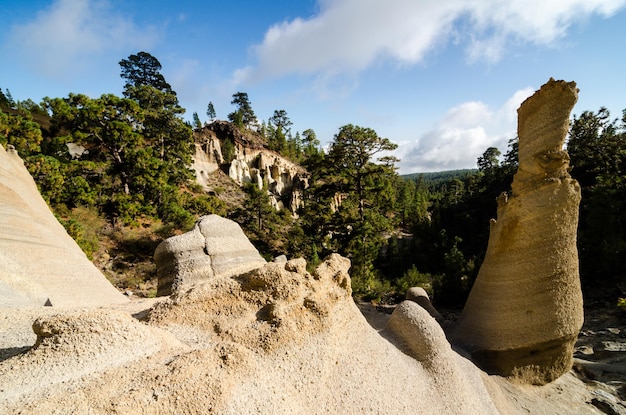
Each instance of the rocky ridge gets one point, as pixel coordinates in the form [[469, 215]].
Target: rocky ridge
[[251, 163]]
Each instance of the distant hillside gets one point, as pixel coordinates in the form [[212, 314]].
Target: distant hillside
[[434, 179]]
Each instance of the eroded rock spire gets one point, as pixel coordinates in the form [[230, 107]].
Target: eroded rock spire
[[525, 309]]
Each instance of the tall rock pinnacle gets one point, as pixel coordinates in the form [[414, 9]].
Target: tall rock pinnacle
[[525, 309]]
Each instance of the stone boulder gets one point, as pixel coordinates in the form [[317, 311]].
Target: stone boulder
[[525, 308], [40, 264], [215, 247], [420, 296], [419, 335]]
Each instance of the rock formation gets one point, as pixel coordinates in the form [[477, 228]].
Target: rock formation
[[76, 343], [215, 247], [40, 264], [251, 163], [525, 309], [275, 339], [270, 341]]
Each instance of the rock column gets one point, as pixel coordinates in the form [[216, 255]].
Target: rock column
[[525, 309]]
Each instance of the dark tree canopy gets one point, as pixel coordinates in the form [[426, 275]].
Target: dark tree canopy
[[311, 145], [489, 160], [244, 115], [279, 124], [210, 112], [597, 149], [143, 69], [351, 197], [196, 120], [4, 100]]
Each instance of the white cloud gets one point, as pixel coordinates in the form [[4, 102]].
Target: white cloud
[[350, 35], [462, 135], [64, 39]]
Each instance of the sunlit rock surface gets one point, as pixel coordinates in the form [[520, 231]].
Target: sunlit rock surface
[[215, 247], [40, 264], [525, 309], [251, 163]]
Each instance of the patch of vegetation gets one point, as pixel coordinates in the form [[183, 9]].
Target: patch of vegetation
[[127, 186]]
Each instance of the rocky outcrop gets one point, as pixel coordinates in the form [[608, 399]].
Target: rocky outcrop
[[73, 344], [40, 264], [215, 247], [274, 340], [525, 308], [251, 163], [207, 160]]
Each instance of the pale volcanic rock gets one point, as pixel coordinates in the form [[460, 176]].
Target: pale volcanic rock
[[274, 340], [215, 247], [419, 335], [252, 163], [420, 296], [40, 264], [525, 308], [75, 343]]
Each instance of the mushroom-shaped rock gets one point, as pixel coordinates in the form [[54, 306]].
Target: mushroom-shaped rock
[[215, 247], [525, 308]]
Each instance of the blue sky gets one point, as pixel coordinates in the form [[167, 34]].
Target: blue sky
[[442, 79]]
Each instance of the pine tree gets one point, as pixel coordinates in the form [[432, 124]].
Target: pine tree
[[350, 198], [244, 116], [210, 112], [196, 121]]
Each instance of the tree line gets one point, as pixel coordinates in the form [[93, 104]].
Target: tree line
[[128, 158]]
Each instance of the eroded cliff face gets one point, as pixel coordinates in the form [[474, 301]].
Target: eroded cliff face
[[251, 163], [525, 309]]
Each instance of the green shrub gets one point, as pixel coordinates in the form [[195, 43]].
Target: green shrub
[[413, 278], [205, 204], [84, 236]]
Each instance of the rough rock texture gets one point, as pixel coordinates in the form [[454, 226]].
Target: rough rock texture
[[285, 180], [525, 309], [215, 247], [40, 264], [75, 343], [252, 163], [275, 340]]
